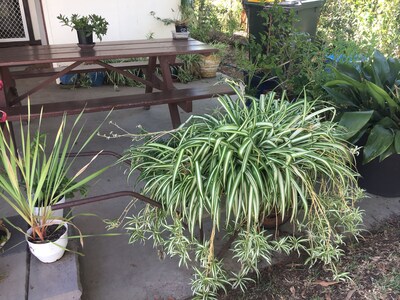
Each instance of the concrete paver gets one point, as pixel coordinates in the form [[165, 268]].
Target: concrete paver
[[13, 265]]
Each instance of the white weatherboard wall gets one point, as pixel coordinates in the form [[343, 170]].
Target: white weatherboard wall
[[128, 19]]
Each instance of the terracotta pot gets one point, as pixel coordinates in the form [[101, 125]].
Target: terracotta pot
[[209, 65]]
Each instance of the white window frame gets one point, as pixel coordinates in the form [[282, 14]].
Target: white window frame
[[26, 32]]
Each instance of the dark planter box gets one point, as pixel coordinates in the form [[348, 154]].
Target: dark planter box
[[380, 178], [258, 84]]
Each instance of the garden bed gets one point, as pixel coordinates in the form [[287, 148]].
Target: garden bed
[[373, 265]]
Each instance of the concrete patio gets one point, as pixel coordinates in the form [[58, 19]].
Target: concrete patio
[[110, 267]]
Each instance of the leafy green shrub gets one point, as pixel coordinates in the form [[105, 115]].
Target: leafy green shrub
[[366, 24], [281, 52], [214, 21]]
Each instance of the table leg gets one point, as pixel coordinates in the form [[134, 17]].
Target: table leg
[[174, 113], [165, 62], [150, 73], [151, 76]]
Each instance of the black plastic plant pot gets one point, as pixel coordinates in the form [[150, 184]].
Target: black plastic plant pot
[[181, 28], [259, 84], [85, 38], [380, 178]]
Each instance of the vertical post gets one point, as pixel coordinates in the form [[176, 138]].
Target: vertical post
[[150, 72], [165, 62]]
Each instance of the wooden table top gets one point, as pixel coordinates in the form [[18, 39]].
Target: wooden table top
[[29, 55]]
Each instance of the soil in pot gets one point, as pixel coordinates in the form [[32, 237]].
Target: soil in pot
[[53, 233]]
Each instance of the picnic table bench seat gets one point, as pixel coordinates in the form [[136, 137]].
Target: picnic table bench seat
[[181, 97]]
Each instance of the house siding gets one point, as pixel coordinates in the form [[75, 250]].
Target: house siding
[[128, 19]]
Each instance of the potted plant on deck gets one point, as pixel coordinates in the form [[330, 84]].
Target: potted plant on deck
[[367, 97], [37, 168], [85, 26], [223, 173], [209, 64]]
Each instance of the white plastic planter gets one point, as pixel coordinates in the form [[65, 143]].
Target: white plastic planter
[[51, 251], [59, 213]]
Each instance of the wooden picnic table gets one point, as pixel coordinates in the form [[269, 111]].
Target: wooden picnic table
[[156, 53]]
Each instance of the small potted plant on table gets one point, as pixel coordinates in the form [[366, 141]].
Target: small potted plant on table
[[181, 20], [38, 169], [85, 26]]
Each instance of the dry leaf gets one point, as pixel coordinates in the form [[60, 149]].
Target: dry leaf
[[325, 283], [349, 294], [293, 291], [328, 296], [376, 258]]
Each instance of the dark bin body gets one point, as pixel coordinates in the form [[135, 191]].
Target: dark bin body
[[307, 12]]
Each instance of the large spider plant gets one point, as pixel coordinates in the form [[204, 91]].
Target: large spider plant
[[238, 165], [37, 171], [271, 157]]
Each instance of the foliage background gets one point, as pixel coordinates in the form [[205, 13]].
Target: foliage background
[[364, 24]]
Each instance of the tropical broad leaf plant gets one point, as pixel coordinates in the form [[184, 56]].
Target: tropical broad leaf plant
[[367, 98], [226, 171]]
